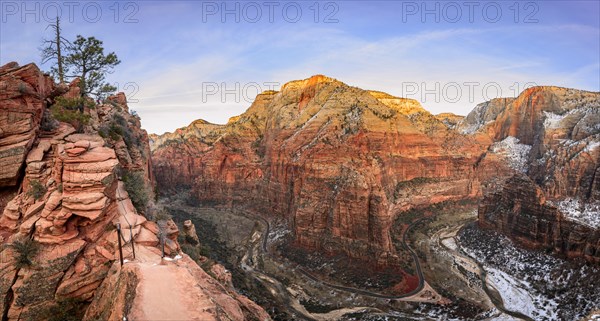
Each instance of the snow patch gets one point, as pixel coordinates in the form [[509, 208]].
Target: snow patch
[[552, 120], [516, 153], [591, 146], [574, 210], [518, 295]]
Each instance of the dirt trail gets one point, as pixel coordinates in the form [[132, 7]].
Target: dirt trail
[[168, 292]]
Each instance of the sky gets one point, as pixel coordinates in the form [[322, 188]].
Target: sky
[[188, 60]]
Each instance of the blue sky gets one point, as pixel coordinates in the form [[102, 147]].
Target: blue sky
[[186, 60]]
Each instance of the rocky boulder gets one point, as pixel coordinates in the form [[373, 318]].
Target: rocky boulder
[[22, 104]]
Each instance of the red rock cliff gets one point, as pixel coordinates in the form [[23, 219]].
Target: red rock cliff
[[339, 163], [62, 191], [552, 135]]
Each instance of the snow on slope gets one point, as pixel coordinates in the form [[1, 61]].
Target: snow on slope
[[587, 214], [516, 154], [518, 295]]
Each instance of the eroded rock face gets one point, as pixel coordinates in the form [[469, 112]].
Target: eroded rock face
[[71, 197], [338, 162], [522, 212], [556, 134], [58, 227], [22, 94]]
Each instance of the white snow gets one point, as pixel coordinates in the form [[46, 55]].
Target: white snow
[[504, 317], [176, 258], [533, 280], [574, 210], [518, 295], [552, 120], [515, 152], [591, 146]]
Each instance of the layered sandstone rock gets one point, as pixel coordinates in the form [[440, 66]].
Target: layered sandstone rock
[[70, 201], [552, 135], [58, 227], [338, 162], [522, 212], [22, 94]]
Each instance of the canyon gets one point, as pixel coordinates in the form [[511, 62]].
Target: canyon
[[69, 182], [319, 171], [341, 164]]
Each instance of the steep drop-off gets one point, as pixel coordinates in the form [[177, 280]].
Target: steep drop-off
[[337, 162], [340, 163], [552, 136], [63, 189]]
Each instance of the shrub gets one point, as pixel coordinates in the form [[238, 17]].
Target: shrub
[[48, 123], [25, 252], [70, 110], [73, 103], [162, 215], [23, 89], [118, 127], [36, 190], [65, 310], [192, 251], [136, 187]]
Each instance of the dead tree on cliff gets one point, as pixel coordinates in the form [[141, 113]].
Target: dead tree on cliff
[[52, 50]]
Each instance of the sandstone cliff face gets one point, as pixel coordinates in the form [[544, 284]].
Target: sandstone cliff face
[[57, 229], [522, 212], [22, 93], [336, 161], [552, 135]]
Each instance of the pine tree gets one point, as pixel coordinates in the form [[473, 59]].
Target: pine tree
[[86, 60]]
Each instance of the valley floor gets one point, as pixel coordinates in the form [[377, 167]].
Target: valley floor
[[461, 281]]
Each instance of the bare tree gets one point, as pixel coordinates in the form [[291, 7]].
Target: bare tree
[[52, 50]]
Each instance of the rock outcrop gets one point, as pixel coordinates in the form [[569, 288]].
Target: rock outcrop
[[178, 290], [522, 212], [58, 227], [22, 102], [552, 136], [339, 163]]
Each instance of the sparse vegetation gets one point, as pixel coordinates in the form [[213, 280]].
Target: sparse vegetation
[[118, 127], [138, 191], [23, 89], [160, 215], [48, 123], [36, 189], [412, 186], [25, 251], [65, 310], [70, 110]]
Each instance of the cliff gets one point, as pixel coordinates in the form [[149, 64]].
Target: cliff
[[551, 136], [337, 162], [72, 170]]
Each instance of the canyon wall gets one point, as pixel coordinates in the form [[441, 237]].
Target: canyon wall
[[337, 162], [341, 163], [551, 136], [63, 188]]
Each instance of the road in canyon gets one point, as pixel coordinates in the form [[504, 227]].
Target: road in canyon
[[257, 249], [413, 292]]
